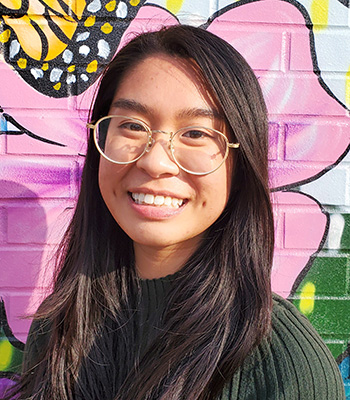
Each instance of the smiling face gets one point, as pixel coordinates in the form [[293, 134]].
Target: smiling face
[[158, 205]]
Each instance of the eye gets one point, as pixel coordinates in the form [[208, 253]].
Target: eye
[[195, 134], [132, 126]]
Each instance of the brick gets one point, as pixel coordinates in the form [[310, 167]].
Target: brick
[[304, 230], [298, 61], [331, 317], [328, 275], [339, 232], [286, 268], [3, 225], [273, 140], [336, 348], [310, 141], [67, 131], [335, 181], [298, 94], [253, 43], [26, 225], [20, 268], [278, 13], [17, 310], [12, 84], [31, 178]]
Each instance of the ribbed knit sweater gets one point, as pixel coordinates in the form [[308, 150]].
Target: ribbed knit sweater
[[293, 364]]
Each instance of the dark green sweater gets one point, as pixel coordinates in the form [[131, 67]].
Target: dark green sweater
[[294, 364]]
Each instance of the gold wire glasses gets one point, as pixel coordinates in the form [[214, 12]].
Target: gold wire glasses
[[195, 149]]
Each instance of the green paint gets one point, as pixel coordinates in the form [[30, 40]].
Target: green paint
[[345, 240], [331, 312], [6, 351], [10, 356]]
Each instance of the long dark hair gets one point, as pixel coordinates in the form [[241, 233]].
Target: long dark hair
[[220, 308]]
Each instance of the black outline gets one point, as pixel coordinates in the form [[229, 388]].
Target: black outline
[[313, 256], [6, 328], [345, 3], [162, 8], [316, 70], [24, 131], [344, 355], [57, 30], [15, 13], [44, 42], [312, 178], [308, 24]]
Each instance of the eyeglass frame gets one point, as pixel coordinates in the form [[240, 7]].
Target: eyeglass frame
[[151, 140]]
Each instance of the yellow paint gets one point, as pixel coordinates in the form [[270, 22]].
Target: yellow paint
[[30, 39], [174, 6], [347, 88], [6, 351], [55, 5], [307, 300], [27, 36], [45, 66], [57, 86], [12, 4], [111, 5], [107, 28], [319, 14], [92, 67], [5, 36], [77, 6], [134, 2], [90, 21], [22, 63], [71, 68]]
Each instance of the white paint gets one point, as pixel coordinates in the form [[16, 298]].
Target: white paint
[[37, 73], [192, 12], [67, 56], [122, 10], [335, 233], [55, 75], [71, 79], [94, 6], [103, 49], [84, 77], [82, 36], [14, 48], [330, 188], [84, 50]]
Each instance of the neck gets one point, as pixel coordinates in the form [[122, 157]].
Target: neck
[[153, 262]]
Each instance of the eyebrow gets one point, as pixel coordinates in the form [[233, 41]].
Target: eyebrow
[[132, 105]]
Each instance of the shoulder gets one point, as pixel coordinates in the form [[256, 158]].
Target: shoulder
[[293, 363]]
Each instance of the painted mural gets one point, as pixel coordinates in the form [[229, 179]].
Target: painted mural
[[51, 54]]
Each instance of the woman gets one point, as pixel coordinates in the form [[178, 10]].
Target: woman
[[162, 289]]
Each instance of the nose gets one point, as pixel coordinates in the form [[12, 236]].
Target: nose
[[157, 161]]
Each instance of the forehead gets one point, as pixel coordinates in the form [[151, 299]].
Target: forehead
[[164, 81]]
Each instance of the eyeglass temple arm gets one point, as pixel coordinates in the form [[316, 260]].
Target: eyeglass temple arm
[[91, 126], [233, 145]]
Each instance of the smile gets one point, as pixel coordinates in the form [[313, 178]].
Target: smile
[[156, 200]]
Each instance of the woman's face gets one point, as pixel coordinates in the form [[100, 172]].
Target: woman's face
[[167, 95]]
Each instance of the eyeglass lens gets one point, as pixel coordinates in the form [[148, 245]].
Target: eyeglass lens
[[195, 149]]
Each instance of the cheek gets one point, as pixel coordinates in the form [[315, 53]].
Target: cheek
[[218, 186]]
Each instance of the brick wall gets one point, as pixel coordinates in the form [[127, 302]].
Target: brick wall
[[300, 51]]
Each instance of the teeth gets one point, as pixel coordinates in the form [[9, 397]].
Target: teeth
[[159, 200], [150, 199], [167, 201]]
